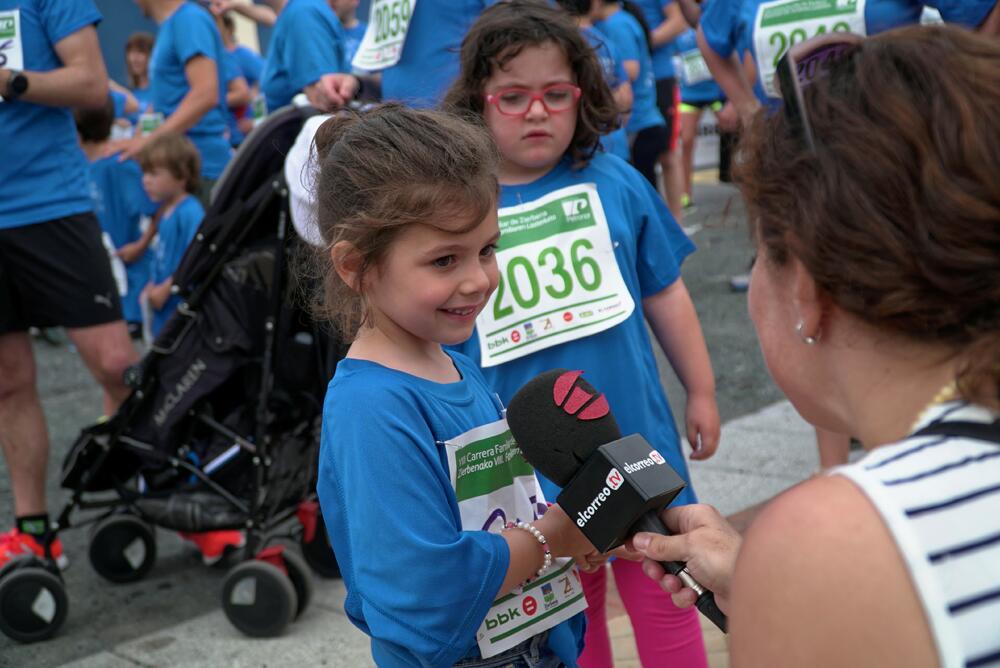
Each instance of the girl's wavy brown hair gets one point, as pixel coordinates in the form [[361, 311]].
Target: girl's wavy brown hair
[[383, 170], [897, 213], [499, 35]]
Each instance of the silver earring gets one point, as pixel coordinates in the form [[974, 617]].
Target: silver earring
[[808, 340]]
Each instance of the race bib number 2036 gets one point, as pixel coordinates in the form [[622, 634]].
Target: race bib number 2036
[[559, 278]]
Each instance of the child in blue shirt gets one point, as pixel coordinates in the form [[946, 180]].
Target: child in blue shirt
[[120, 203], [170, 168], [587, 253], [431, 510]]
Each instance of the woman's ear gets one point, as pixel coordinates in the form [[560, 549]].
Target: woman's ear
[[347, 261], [809, 300]]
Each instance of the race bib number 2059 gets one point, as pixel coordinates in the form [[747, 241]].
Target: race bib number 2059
[[559, 278]]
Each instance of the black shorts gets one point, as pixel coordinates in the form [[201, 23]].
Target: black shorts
[[647, 146], [56, 273], [668, 99]]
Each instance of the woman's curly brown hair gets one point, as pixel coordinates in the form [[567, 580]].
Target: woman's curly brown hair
[[897, 213]]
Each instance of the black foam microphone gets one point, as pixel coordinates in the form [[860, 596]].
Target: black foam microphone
[[613, 487]]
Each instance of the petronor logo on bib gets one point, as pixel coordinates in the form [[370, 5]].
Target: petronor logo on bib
[[559, 278], [781, 24]]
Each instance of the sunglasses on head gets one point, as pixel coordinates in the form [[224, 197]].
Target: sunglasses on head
[[805, 63]]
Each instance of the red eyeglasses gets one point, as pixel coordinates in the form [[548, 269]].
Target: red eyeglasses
[[517, 101]]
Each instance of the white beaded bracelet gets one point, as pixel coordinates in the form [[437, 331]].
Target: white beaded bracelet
[[533, 530]]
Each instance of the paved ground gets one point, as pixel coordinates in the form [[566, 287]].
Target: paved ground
[[172, 617]]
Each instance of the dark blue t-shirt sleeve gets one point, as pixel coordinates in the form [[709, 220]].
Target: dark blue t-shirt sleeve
[[196, 36], [62, 19], [719, 20], [662, 244], [969, 13], [313, 49], [423, 583]]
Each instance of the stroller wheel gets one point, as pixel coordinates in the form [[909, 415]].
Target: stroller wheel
[[33, 601], [319, 553], [122, 548], [259, 599], [301, 579]]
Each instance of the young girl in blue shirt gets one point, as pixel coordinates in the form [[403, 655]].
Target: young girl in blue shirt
[[437, 521], [587, 249]]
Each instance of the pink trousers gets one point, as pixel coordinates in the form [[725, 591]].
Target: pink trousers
[[666, 636]]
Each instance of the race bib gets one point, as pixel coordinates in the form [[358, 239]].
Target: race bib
[[559, 278], [782, 23], [382, 45], [693, 67], [494, 485], [148, 122], [11, 52]]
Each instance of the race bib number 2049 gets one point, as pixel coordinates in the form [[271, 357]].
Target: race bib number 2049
[[559, 277], [781, 24]]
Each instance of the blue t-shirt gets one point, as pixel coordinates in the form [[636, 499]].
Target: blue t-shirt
[[615, 142], [649, 247], [145, 99], [307, 42], [417, 583], [663, 56], [187, 33], [701, 91], [250, 64], [728, 25], [354, 37], [231, 71], [172, 238], [43, 172], [118, 100], [120, 202], [429, 62], [624, 31]]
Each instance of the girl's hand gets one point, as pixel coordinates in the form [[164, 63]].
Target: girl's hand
[[562, 534], [592, 561], [704, 541], [701, 420]]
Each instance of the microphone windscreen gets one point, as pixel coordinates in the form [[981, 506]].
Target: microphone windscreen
[[558, 419]]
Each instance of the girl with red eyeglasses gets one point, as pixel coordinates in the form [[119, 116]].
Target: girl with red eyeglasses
[[587, 254]]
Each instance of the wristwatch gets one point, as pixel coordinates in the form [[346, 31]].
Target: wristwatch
[[17, 84]]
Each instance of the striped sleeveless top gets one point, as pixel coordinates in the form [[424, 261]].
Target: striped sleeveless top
[[938, 492]]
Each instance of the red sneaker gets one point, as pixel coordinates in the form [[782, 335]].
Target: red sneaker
[[14, 544], [214, 545]]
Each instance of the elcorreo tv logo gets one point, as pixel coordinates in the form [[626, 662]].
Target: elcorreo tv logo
[[657, 457], [574, 207], [614, 479]]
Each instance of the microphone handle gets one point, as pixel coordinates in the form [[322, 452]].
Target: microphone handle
[[650, 522]]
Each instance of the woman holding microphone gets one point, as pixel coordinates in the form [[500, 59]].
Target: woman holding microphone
[[874, 203]]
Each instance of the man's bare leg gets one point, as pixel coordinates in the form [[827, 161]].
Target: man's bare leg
[[107, 351], [23, 434]]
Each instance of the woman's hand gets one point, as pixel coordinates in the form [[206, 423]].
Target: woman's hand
[[701, 419], [704, 541]]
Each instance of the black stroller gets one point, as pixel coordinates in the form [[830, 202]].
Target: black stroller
[[221, 430]]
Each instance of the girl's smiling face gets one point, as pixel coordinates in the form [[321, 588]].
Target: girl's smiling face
[[533, 143]]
